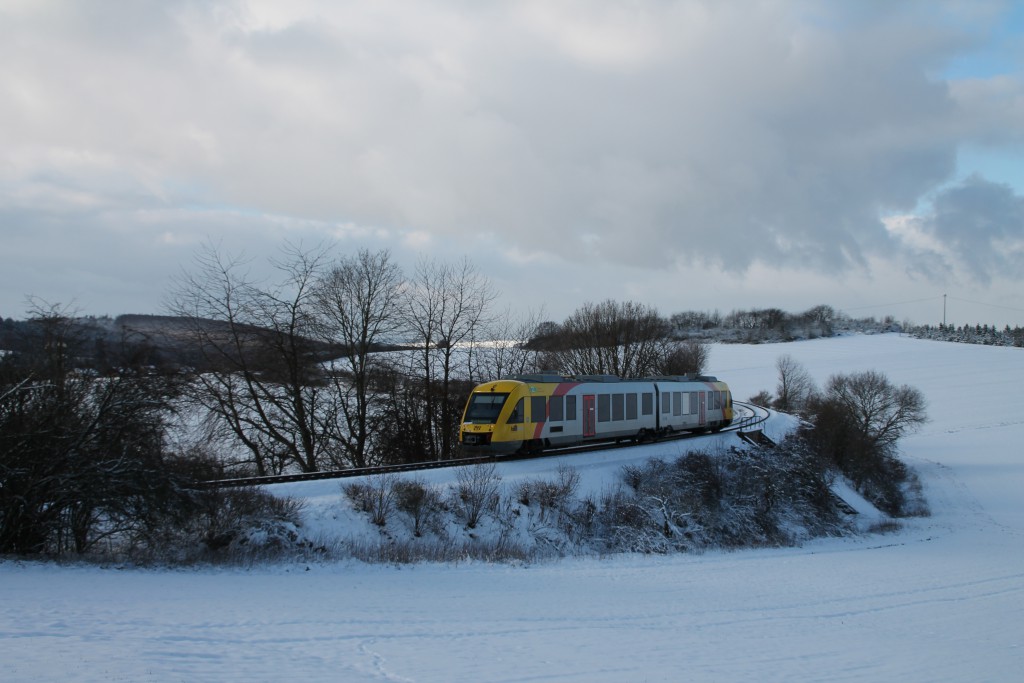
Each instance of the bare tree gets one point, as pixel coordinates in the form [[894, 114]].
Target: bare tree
[[685, 358], [822, 319], [856, 425], [446, 305], [795, 385], [881, 411], [263, 381], [506, 349], [81, 455], [359, 302], [623, 339], [400, 428]]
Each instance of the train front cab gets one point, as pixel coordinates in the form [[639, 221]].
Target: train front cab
[[528, 413], [727, 410], [484, 410], [499, 416]]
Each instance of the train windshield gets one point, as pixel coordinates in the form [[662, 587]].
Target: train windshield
[[484, 408]]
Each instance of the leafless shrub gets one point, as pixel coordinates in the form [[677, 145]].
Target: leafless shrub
[[421, 502], [524, 492], [633, 476], [375, 497], [550, 495], [578, 523], [476, 491]]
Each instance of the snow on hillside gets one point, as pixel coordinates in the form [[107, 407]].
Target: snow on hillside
[[941, 600]]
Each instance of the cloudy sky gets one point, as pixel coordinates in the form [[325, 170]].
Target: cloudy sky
[[684, 154]]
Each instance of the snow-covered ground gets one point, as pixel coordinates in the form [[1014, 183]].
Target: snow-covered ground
[[941, 600]]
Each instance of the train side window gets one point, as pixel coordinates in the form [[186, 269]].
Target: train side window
[[570, 408], [693, 402], [677, 401], [604, 407], [666, 403], [538, 409], [647, 404], [555, 406], [711, 401], [516, 418], [618, 407], [718, 400], [630, 406]]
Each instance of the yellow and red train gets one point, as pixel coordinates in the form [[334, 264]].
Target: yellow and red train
[[529, 413]]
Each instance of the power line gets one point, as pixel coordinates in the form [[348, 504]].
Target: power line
[[935, 298], [894, 303], [982, 303]]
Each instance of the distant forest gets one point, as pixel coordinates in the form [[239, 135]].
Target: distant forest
[[158, 340]]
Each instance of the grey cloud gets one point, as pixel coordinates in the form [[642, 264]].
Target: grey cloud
[[650, 135], [982, 224]]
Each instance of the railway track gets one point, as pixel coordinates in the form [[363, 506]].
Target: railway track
[[755, 415]]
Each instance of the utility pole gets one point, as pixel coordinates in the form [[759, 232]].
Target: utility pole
[[943, 311]]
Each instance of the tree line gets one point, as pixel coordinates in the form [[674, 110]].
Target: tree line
[[988, 335]]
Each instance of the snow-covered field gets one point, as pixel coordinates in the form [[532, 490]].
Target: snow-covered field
[[941, 600]]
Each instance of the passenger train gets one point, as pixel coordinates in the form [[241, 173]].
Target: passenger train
[[530, 413]]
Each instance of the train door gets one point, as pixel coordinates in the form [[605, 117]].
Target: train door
[[589, 415], [702, 403]]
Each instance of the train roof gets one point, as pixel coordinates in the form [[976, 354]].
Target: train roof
[[537, 379], [556, 379]]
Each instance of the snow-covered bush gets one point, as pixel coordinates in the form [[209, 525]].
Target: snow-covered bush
[[759, 496], [229, 526], [550, 495]]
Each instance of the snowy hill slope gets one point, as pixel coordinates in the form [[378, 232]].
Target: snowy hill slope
[[941, 600]]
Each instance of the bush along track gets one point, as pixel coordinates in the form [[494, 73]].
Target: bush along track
[[755, 496]]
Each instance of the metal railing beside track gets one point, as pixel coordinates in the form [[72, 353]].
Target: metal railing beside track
[[756, 415]]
